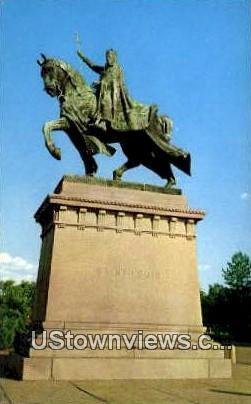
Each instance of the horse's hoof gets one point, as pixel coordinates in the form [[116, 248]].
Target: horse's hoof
[[170, 183], [116, 176], [56, 152]]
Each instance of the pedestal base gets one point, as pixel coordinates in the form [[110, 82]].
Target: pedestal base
[[119, 258], [126, 365]]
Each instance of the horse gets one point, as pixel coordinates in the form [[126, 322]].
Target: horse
[[147, 142]]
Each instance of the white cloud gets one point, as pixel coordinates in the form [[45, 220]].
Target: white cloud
[[16, 268], [204, 267], [245, 195]]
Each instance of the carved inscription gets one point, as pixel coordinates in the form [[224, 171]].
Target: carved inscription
[[123, 272]]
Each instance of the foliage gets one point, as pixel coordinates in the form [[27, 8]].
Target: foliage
[[237, 274], [15, 309], [226, 309]]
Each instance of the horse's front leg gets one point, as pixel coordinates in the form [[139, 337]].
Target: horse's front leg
[[59, 124]]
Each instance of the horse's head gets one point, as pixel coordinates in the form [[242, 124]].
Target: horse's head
[[53, 75]]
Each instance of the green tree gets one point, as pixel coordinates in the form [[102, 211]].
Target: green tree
[[226, 309], [216, 312], [237, 274], [15, 309]]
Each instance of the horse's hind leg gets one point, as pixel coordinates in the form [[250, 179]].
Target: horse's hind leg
[[170, 177], [117, 174]]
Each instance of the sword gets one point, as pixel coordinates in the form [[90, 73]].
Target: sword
[[78, 40], [78, 46]]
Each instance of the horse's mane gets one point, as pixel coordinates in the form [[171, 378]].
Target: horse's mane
[[76, 78]]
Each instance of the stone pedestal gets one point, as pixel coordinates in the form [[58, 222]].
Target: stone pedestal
[[118, 258]]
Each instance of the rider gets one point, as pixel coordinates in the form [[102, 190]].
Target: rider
[[113, 101]]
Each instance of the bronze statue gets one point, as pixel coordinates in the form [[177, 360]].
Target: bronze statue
[[98, 116]]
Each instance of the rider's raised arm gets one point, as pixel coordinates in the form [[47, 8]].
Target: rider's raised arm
[[95, 68]]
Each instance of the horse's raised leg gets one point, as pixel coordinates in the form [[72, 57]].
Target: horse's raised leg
[[117, 174], [59, 124]]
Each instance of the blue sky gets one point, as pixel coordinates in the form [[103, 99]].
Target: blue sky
[[191, 57]]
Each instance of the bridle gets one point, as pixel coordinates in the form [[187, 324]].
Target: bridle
[[61, 86]]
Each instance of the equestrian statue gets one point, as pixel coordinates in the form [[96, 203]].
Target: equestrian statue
[[97, 116]]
